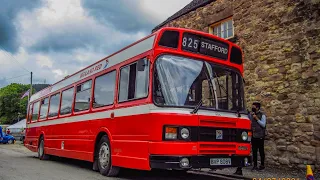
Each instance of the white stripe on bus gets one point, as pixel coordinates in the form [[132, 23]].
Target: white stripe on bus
[[130, 111]]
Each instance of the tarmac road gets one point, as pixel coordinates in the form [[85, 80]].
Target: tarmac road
[[18, 163]]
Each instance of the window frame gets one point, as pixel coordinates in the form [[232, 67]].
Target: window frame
[[119, 81], [75, 96], [41, 107], [237, 71], [30, 106], [33, 121], [52, 117], [219, 23], [72, 104], [115, 89]]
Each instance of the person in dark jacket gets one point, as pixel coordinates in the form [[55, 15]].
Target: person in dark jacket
[[258, 127]]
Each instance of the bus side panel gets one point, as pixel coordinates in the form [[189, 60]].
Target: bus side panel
[[75, 136], [75, 140], [32, 138], [131, 141]]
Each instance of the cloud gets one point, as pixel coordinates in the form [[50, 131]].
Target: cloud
[[70, 30], [8, 30], [67, 37], [56, 38], [44, 61], [123, 15], [60, 74]]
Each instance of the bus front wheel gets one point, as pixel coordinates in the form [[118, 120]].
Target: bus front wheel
[[104, 158], [41, 154]]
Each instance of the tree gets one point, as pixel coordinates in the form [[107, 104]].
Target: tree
[[11, 104]]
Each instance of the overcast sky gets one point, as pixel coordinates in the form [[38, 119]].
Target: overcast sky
[[55, 38]]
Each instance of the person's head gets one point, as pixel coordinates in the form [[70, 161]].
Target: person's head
[[256, 106]]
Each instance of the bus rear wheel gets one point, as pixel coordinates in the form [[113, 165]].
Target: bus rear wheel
[[41, 154], [104, 158]]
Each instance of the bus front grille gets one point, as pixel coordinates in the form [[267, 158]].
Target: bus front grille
[[217, 148]]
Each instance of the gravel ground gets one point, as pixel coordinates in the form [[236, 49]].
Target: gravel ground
[[269, 172]]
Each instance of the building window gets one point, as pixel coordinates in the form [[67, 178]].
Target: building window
[[134, 82], [223, 29], [104, 90], [44, 108], [66, 101], [83, 96], [54, 105]]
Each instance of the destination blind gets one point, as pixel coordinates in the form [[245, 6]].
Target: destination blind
[[205, 46]]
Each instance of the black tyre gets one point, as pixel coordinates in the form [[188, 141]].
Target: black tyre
[[103, 153], [41, 153]]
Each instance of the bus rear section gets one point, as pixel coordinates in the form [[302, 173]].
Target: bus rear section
[[199, 113]]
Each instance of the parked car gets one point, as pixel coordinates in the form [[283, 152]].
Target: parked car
[[7, 139]]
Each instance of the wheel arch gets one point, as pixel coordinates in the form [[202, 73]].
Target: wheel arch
[[40, 135], [102, 131]]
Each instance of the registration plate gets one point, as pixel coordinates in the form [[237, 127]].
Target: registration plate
[[220, 161]]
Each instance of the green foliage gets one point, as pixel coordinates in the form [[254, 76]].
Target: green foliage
[[11, 104]]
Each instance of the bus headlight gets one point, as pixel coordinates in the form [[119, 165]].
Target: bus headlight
[[244, 135], [184, 133]]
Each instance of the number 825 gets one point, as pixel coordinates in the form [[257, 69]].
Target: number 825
[[190, 42]]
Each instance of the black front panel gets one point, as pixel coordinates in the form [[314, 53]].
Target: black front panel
[[217, 134], [169, 39], [209, 134], [236, 55]]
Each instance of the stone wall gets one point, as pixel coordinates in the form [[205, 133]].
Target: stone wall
[[281, 44]]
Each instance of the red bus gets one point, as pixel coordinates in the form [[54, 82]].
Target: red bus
[[172, 100]]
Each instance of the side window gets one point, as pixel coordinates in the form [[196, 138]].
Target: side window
[[83, 96], [104, 90], [35, 111], [142, 81], [44, 108], [134, 81], [30, 113], [124, 83], [54, 105], [66, 101]]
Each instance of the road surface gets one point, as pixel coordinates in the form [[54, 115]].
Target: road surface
[[18, 163]]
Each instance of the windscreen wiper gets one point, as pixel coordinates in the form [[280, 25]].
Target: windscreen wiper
[[195, 110]]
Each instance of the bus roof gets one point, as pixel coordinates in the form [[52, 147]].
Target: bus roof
[[124, 54], [129, 51]]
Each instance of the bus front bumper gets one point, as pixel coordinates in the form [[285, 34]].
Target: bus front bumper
[[194, 162]]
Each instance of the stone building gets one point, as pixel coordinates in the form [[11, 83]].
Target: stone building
[[281, 45]]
